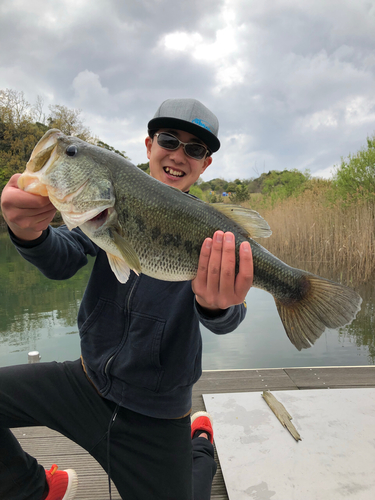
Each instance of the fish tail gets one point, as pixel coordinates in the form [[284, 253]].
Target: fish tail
[[321, 304]]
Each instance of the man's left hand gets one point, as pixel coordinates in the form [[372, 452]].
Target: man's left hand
[[216, 285]]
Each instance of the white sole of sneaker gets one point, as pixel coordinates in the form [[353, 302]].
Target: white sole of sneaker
[[201, 414], [72, 485]]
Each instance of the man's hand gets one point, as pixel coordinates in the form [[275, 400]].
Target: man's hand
[[216, 286], [27, 215]]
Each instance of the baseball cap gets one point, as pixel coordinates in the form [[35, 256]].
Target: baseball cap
[[191, 116]]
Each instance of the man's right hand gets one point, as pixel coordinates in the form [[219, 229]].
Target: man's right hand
[[27, 215]]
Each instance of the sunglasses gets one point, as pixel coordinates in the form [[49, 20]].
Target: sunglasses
[[193, 149]]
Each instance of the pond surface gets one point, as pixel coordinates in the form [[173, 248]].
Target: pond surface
[[40, 314]]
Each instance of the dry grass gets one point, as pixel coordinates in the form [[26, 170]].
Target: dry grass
[[332, 240]]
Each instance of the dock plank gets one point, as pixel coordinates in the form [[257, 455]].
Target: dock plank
[[244, 381], [332, 377], [50, 447]]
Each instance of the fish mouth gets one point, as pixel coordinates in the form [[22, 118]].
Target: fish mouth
[[93, 219], [43, 156], [174, 172], [100, 219]]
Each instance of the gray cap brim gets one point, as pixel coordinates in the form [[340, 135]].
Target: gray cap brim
[[191, 116]]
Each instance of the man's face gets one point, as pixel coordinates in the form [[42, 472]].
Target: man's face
[[175, 168]]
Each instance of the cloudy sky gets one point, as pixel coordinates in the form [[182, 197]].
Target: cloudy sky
[[291, 81]]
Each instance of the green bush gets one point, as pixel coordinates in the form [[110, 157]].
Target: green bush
[[355, 177], [196, 191], [240, 194]]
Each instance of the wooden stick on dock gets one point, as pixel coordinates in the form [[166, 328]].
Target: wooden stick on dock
[[281, 413]]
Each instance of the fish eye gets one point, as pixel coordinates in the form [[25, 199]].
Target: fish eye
[[71, 150]]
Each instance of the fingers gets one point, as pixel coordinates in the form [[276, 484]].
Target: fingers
[[227, 265], [216, 285], [14, 197], [26, 214], [13, 180], [245, 275]]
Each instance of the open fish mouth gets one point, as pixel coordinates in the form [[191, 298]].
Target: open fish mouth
[[100, 219], [42, 158], [91, 219], [53, 171]]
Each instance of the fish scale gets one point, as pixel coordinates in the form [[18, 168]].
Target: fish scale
[[148, 227]]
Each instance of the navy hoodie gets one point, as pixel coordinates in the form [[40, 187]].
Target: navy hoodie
[[140, 341]]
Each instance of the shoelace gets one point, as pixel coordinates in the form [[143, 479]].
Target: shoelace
[[53, 469]]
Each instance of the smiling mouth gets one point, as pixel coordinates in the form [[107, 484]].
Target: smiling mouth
[[172, 171]]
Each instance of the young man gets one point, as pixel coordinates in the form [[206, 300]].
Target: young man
[[128, 400]]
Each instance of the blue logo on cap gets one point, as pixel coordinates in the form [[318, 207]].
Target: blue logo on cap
[[201, 123]]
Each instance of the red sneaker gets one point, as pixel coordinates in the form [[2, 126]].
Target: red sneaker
[[62, 484], [202, 422]]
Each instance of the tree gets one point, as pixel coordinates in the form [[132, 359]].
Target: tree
[[38, 112], [145, 167], [240, 194], [68, 121], [205, 186], [14, 107], [196, 191], [18, 133], [355, 177], [231, 188], [218, 185], [284, 184], [103, 145]]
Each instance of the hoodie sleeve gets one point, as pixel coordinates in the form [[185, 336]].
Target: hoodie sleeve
[[58, 253], [225, 322]]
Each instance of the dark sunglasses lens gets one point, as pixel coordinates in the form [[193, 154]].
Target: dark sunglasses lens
[[195, 150], [168, 141]]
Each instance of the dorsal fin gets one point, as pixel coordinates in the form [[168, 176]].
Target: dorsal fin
[[250, 220]]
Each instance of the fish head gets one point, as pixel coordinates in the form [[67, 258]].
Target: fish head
[[69, 171]]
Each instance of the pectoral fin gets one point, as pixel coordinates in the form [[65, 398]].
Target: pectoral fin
[[250, 220], [119, 267], [127, 251]]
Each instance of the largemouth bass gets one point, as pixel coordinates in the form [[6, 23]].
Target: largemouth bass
[[148, 227]]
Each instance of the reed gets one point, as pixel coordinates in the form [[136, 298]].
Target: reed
[[334, 240]]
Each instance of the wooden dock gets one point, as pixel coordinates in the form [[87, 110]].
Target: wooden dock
[[50, 447]]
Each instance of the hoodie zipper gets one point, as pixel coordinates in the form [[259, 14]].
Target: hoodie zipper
[[106, 368]]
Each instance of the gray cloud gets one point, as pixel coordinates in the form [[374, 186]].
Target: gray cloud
[[291, 82]]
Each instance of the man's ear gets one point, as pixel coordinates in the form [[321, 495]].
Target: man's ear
[[148, 142], [207, 162]]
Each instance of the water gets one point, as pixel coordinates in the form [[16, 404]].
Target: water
[[37, 314]]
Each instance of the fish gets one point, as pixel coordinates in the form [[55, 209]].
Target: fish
[[148, 227]]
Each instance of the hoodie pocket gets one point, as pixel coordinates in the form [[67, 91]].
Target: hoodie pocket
[[101, 335], [138, 362]]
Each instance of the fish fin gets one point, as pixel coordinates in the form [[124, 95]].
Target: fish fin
[[119, 267], [250, 220], [324, 304], [127, 251]]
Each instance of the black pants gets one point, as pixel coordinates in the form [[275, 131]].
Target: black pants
[[150, 458]]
